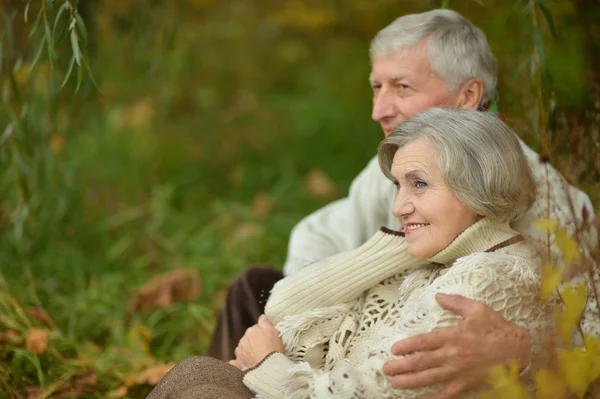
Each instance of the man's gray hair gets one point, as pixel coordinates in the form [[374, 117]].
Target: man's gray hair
[[457, 49], [480, 158]]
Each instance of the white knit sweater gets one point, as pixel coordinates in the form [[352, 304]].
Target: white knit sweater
[[339, 317], [348, 223]]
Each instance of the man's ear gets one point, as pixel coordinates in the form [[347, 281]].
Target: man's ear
[[470, 95]]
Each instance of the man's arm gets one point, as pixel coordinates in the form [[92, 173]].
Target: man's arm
[[344, 224]]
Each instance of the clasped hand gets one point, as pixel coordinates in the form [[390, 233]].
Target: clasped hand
[[259, 341]]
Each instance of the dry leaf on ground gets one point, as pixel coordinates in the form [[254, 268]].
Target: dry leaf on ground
[[262, 205], [179, 285], [118, 393], [319, 185], [40, 314], [37, 340], [150, 375], [10, 337]]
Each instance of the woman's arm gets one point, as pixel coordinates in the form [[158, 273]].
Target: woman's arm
[[340, 278]]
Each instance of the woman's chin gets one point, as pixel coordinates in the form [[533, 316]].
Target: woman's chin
[[420, 252]]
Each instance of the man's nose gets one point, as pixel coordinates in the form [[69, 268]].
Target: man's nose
[[383, 105]]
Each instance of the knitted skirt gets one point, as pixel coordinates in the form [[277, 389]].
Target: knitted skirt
[[202, 377]]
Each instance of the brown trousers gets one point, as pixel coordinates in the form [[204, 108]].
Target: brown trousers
[[245, 302], [202, 378]]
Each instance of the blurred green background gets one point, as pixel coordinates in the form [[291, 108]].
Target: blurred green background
[[213, 129]]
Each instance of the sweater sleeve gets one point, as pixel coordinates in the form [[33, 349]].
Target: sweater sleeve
[[340, 278], [344, 224]]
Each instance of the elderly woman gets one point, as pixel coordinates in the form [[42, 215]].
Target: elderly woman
[[328, 330]]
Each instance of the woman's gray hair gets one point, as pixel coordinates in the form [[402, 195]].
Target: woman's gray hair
[[457, 49], [480, 158]]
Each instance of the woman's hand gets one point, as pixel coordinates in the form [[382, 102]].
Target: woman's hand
[[258, 341]]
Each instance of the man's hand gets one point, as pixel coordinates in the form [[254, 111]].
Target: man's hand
[[258, 341], [460, 355]]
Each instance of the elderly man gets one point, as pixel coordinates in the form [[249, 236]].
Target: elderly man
[[420, 61]]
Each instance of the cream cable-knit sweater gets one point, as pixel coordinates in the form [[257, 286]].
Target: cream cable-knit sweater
[[348, 223], [339, 317]]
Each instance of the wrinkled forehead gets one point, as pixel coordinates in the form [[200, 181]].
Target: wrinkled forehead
[[408, 62]]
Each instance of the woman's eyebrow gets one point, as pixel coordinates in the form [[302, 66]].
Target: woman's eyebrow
[[415, 173]]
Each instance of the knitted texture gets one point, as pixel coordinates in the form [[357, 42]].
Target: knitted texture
[[338, 350]]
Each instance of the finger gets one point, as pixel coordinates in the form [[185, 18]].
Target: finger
[[424, 342], [264, 322], [416, 362], [422, 378], [458, 304], [451, 391]]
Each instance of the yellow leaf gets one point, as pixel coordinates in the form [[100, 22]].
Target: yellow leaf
[[504, 383], [592, 345], [568, 246], [549, 385], [574, 299], [576, 367], [546, 224], [551, 277]]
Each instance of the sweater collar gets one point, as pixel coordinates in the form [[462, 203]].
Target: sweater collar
[[479, 237]]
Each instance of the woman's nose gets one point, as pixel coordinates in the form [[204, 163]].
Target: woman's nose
[[403, 206]]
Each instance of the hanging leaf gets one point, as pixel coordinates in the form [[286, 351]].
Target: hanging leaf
[[548, 17], [546, 224], [568, 246], [549, 385], [551, 278]]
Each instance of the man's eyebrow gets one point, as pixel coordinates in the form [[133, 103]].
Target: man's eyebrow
[[394, 79]]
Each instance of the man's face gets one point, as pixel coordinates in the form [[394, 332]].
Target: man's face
[[404, 85]]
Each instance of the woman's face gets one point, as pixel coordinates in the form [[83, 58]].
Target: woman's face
[[432, 216]]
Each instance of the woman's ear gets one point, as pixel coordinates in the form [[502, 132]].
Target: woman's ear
[[470, 95]]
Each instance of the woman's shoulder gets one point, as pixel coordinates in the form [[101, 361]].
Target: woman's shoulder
[[517, 259]]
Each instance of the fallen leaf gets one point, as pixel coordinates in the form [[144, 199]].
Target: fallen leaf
[[245, 231], [262, 205], [40, 314], [84, 382], [179, 285], [118, 393], [150, 375], [139, 114], [320, 185], [33, 392], [11, 337], [37, 340], [57, 143]]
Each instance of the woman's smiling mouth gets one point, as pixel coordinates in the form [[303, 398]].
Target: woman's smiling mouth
[[412, 228]]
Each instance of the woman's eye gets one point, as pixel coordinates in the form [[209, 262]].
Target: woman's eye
[[420, 184], [397, 185]]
